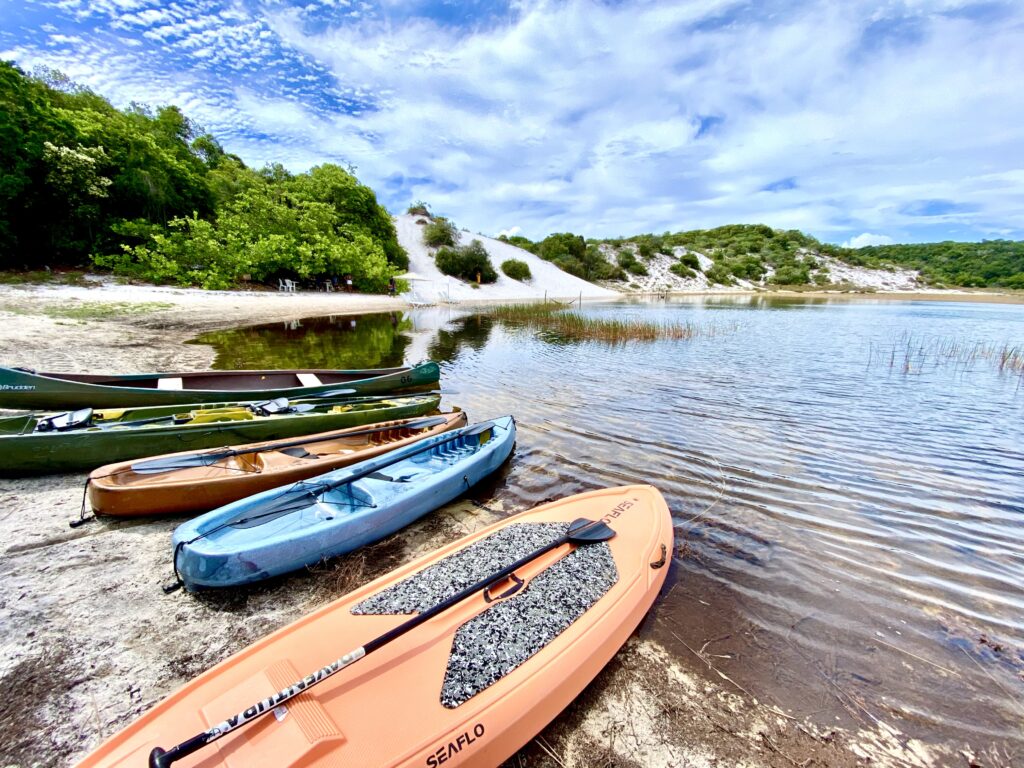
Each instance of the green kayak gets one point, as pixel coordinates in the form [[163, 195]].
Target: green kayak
[[40, 444], [22, 388]]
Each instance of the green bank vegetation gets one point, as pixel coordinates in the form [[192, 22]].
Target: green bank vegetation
[[572, 325], [88, 310], [792, 258], [147, 193]]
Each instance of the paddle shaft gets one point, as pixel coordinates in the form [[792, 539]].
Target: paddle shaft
[[416, 424], [319, 489], [158, 758]]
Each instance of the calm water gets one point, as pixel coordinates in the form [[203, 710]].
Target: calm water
[[850, 534]]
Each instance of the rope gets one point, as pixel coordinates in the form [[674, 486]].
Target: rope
[[82, 519]]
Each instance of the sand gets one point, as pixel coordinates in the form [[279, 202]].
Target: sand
[[90, 640]]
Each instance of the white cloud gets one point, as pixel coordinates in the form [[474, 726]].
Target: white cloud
[[836, 118], [867, 238]]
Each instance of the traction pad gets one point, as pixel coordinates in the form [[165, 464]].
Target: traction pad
[[495, 642]]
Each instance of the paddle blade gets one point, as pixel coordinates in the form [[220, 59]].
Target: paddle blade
[[171, 463], [332, 393], [433, 421], [583, 531]]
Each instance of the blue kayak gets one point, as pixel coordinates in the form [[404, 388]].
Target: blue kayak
[[301, 524]]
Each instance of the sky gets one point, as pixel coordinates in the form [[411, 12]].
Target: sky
[[857, 122]]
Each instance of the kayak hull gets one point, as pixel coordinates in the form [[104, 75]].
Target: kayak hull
[[30, 390], [117, 490], [209, 552], [37, 453], [385, 710]]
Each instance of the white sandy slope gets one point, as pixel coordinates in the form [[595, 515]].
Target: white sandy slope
[[547, 278], [659, 279]]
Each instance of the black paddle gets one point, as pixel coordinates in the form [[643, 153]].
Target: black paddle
[[581, 531], [309, 491], [154, 466]]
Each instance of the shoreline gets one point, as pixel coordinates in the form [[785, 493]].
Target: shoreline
[[132, 644]]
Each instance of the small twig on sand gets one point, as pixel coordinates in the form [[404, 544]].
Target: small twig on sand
[[993, 679], [725, 677], [550, 752], [919, 658]]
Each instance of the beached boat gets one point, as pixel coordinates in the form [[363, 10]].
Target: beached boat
[[87, 438], [286, 528], [188, 481], [22, 388], [463, 684]]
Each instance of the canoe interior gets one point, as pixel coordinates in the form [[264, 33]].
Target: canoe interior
[[228, 381], [261, 461]]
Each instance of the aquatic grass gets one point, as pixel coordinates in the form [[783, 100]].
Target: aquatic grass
[[911, 354], [572, 325]]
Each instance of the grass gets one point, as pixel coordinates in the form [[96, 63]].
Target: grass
[[35, 277], [90, 310], [575, 326], [910, 354]]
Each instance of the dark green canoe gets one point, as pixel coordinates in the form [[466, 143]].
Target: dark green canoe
[[22, 388], [106, 436]]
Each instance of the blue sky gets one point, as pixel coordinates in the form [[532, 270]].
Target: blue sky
[[857, 122]]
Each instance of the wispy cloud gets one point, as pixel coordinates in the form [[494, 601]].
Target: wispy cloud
[[850, 120]]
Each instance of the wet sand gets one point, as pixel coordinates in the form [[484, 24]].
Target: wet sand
[[90, 640]]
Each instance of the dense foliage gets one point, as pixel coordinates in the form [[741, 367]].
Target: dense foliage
[[572, 254], [440, 231], [469, 262], [149, 194], [516, 269], [988, 263]]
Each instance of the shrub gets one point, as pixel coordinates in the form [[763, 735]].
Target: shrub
[[419, 208], [628, 262], [466, 262], [718, 274], [440, 232], [516, 269], [690, 260], [682, 270], [791, 274]]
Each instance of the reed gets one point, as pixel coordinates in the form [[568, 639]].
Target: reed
[[572, 325], [911, 354]]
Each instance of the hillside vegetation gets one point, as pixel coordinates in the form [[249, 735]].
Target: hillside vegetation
[[147, 193], [760, 254]]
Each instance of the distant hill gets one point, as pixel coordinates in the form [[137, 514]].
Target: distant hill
[[755, 254]]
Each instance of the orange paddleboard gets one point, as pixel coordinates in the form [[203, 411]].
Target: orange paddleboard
[[468, 687]]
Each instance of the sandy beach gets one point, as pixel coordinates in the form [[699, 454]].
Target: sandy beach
[[90, 640]]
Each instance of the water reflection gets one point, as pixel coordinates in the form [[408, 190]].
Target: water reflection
[[336, 341], [848, 539]]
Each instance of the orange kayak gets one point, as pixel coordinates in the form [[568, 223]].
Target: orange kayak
[[467, 687], [192, 481]]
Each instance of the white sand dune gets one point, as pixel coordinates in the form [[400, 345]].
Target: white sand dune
[[436, 286]]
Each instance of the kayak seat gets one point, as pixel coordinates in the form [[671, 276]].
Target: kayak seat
[[309, 379], [169, 383], [220, 414]]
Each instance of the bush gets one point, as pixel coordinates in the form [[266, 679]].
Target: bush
[[440, 232], [628, 262], [516, 269], [466, 262], [682, 270], [719, 274], [418, 208], [791, 274], [690, 260]]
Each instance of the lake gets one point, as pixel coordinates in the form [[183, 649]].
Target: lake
[[846, 476]]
